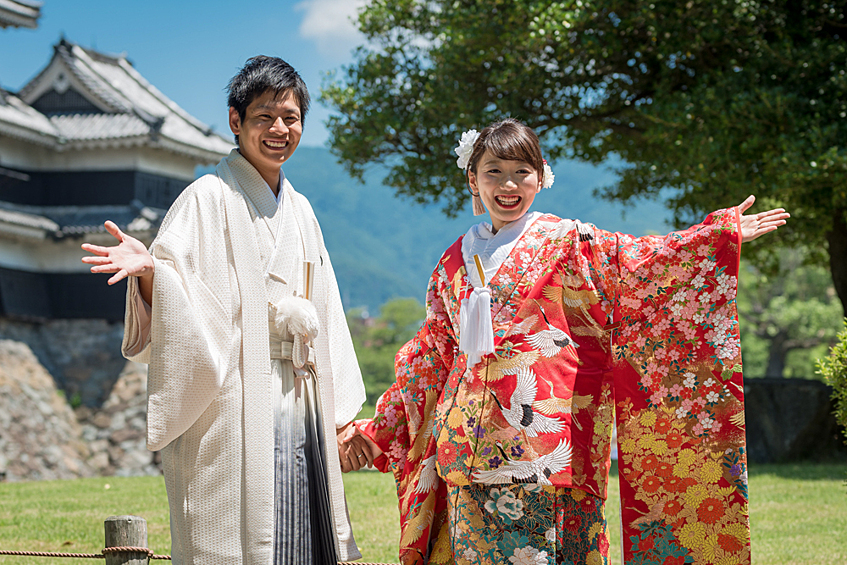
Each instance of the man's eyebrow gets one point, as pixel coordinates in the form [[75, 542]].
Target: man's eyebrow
[[274, 107]]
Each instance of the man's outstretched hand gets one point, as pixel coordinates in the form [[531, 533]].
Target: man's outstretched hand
[[129, 258]]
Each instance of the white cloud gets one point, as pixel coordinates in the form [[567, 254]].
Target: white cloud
[[330, 24]]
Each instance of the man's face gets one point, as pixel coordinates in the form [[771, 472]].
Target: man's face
[[269, 133]]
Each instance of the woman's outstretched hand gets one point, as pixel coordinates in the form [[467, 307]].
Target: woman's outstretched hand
[[129, 258], [756, 225]]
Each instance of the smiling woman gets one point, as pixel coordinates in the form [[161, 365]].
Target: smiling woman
[[507, 188]]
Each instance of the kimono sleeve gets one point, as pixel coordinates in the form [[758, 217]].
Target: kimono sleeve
[[679, 395], [336, 345], [403, 428], [190, 342]]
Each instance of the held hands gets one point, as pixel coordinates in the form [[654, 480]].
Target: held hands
[[756, 225], [411, 557], [355, 450], [129, 258]]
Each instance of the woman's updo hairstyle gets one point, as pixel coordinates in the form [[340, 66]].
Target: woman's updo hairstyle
[[509, 140]]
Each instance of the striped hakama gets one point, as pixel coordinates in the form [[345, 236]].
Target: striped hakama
[[303, 531]]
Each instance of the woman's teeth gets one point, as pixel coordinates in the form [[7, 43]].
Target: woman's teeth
[[507, 200]]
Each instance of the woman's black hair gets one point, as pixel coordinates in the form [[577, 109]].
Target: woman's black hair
[[510, 140]]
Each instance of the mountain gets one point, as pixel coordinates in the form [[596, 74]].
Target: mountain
[[383, 246]]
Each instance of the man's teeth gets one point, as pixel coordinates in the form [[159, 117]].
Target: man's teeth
[[276, 143]]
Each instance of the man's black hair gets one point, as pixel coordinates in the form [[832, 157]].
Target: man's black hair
[[261, 74]]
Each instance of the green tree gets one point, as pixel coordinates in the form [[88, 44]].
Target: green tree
[[377, 340], [712, 99], [787, 321], [834, 370]]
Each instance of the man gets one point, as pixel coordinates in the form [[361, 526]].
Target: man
[[249, 382]]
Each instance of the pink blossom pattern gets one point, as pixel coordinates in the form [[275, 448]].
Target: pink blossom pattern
[[654, 331]]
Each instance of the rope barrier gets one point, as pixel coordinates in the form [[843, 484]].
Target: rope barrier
[[49, 554], [102, 555]]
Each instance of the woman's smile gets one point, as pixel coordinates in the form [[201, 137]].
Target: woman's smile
[[506, 187]]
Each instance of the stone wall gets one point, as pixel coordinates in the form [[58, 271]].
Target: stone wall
[[39, 434], [84, 356], [41, 437], [46, 368], [116, 432]]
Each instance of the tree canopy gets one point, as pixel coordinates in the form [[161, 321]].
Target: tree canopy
[[787, 321], [378, 339], [703, 101]]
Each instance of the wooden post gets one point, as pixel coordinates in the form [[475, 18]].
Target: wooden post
[[126, 531]]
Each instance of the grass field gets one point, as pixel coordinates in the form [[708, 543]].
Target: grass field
[[798, 515]]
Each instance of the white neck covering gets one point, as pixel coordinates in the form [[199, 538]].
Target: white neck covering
[[492, 248], [476, 334]]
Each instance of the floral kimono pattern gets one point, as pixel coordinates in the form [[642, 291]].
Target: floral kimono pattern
[[590, 327], [526, 525]]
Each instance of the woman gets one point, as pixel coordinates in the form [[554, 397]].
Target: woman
[[540, 332]]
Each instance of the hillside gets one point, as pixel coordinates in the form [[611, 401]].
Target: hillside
[[384, 247]]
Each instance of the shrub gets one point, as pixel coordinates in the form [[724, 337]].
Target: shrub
[[834, 370]]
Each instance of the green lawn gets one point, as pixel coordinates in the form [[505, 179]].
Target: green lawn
[[798, 515]]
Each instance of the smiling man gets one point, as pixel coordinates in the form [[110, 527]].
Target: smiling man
[[252, 371]]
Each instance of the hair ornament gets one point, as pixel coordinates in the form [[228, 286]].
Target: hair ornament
[[549, 177], [465, 148]]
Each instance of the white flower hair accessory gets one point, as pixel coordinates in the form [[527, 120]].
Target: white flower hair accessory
[[465, 148], [549, 177]]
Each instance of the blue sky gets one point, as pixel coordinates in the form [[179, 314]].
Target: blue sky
[[189, 49]]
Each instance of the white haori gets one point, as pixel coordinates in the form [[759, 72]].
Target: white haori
[[225, 251], [476, 333]]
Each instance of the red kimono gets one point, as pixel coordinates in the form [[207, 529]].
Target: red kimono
[[589, 326]]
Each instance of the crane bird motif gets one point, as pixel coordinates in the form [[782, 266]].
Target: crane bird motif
[[520, 414], [428, 475], [569, 294], [554, 404], [496, 370], [564, 227], [537, 471], [551, 341]]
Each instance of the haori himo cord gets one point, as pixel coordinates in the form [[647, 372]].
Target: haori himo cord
[[540, 333]]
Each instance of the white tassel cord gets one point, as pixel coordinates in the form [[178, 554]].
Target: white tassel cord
[[476, 334]]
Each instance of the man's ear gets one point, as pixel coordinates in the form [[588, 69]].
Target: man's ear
[[234, 121]]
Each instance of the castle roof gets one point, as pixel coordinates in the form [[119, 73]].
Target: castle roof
[[85, 99], [58, 222], [19, 13]]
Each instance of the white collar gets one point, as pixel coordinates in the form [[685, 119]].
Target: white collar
[[492, 248]]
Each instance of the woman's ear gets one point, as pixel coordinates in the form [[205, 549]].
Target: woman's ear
[[472, 181]]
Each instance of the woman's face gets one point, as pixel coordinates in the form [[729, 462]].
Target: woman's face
[[507, 188]]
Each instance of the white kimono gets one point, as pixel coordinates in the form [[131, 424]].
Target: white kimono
[[224, 251]]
